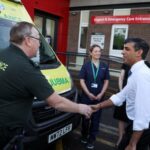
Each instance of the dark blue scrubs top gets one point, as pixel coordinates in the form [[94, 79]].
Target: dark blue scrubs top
[[86, 73]]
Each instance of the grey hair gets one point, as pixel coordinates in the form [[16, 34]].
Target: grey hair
[[19, 31]]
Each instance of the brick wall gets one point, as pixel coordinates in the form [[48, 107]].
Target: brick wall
[[104, 29], [140, 30], [135, 30]]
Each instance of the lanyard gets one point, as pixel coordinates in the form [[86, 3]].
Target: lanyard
[[95, 73]]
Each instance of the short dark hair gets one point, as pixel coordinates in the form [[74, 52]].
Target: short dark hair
[[19, 31], [139, 44]]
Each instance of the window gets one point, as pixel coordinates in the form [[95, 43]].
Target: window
[[119, 34], [45, 53], [119, 37], [48, 26], [39, 23], [84, 22], [83, 37], [5, 26], [82, 43]]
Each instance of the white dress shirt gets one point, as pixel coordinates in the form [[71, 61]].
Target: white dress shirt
[[137, 96]]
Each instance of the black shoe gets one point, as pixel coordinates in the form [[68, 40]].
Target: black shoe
[[84, 140], [90, 145]]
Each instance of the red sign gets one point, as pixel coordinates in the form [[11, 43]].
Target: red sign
[[132, 19]]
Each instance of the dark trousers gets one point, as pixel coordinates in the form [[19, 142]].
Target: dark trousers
[[143, 143], [90, 126], [11, 139]]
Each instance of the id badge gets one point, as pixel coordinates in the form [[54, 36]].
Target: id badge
[[94, 85]]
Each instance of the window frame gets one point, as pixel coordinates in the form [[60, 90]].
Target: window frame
[[117, 52]]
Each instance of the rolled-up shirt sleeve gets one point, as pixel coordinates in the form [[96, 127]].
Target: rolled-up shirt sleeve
[[119, 98]]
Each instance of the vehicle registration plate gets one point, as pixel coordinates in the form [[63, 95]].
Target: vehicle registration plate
[[54, 136]]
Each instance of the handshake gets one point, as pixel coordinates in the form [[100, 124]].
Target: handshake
[[87, 110]]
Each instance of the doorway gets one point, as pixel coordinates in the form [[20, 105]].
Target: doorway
[[47, 24]]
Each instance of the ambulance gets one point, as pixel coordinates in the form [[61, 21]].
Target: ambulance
[[46, 125]]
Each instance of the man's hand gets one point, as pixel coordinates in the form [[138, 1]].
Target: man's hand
[[131, 147], [95, 107], [85, 110]]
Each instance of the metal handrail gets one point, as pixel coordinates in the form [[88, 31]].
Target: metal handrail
[[108, 58], [113, 62]]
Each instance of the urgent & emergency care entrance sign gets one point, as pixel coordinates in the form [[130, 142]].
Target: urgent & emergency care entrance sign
[[132, 19]]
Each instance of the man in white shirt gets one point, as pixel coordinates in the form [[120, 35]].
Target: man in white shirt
[[137, 96]]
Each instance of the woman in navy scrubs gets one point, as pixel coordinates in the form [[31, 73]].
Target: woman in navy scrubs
[[94, 79]]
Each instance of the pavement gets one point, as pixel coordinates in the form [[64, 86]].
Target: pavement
[[108, 132], [106, 138]]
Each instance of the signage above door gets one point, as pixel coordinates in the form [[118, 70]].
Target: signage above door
[[130, 19]]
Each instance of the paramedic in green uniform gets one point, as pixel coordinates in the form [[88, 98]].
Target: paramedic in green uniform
[[21, 80]]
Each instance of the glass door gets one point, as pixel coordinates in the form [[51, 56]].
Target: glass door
[[48, 26]]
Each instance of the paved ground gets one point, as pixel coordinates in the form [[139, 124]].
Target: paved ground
[[106, 139], [107, 136]]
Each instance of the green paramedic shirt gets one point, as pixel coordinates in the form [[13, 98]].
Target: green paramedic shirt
[[20, 81]]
